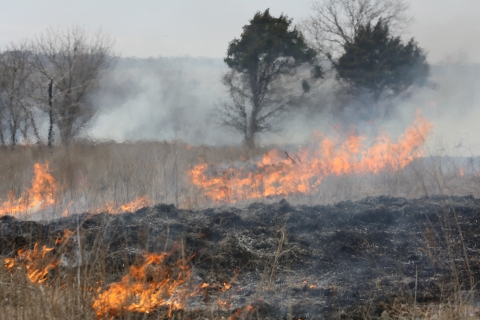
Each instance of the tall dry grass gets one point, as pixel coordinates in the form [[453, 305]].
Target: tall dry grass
[[92, 175]]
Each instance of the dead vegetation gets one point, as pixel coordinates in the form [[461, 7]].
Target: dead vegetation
[[93, 175], [267, 254]]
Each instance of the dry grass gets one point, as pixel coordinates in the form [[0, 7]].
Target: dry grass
[[92, 175], [21, 299], [459, 310]]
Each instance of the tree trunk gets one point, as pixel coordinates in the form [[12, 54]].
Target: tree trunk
[[252, 124], [50, 114], [2, 139], [14, 135], [250, 141], [65, 134], [252, 127]]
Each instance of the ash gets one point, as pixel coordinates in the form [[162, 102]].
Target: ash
[[351, 259]]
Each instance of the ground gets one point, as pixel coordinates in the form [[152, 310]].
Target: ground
[[350, 260]]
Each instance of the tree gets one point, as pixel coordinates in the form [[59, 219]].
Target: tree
[[16, 104], [267, 54], [70, 64], [377, 64], [334, 23]]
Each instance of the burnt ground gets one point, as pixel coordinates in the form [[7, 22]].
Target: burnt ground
[[347, 260]]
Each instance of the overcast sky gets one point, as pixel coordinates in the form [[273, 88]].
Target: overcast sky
[[448, 29]]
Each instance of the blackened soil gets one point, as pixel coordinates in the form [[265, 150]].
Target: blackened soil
[[345, 260]]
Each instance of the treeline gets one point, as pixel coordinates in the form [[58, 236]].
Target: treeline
[[358, 42], [274, 68], [50, 77]]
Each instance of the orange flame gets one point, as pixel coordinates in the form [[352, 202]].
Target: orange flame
[[154, 284], [133, 206], [223, 304], [39, 197], [278, 173], [35, 262], [146, 287], [242, 313], [38, 261], [43, 192], [67, 234]]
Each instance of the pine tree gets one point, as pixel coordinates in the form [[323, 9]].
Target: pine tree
[[379, 65]]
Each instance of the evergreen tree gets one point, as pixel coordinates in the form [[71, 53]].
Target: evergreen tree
[[379, 65], [267, 53]]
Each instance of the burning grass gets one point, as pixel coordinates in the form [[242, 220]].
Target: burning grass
[[115, 178], [39, 196], [146, 288], [263, 261], [279, 174], [235, 263], [154, 284]]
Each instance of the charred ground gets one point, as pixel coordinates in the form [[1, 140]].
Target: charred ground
[[351, 259]]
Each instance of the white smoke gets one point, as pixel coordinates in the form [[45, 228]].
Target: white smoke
[[174, 98]]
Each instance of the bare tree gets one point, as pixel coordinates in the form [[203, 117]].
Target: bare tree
[[16, 104], [334, 23], [70, 64]]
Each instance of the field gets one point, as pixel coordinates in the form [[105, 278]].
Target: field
[[398, 243]]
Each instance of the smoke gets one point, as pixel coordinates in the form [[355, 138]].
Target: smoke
[[451, 104], [161, 99], [174, 98]]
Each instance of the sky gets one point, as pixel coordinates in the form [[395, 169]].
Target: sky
[[448, 29]]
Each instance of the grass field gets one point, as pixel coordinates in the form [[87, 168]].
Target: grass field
[[91, 176]]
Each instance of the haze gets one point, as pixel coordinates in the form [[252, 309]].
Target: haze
[[171, 96], [447, 29]]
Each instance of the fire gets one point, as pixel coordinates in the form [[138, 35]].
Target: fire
[[226, 286], [281, 174], [43, 192], [67, 235], [39, 197], [133, 206], [223, 304], [35, 262], [242, 313], [66, 212], [39, 261], [147, 287]]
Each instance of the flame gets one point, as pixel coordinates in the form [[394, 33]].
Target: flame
[[67, 234], [38, 261], [278, 173], [226, 287], [39, 197], [66, 212], [223, 304], [242, 313], [34, 262], [133, 206], [42, 195], [146, 287]]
